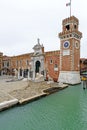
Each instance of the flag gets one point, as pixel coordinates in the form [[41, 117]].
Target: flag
[[68, 4]]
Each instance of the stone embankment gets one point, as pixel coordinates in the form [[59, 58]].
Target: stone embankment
[[14, 92]]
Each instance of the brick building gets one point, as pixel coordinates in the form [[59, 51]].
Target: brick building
[[1, 55], [61, 65]]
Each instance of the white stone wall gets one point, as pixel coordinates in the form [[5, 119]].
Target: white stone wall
[[70, 77]]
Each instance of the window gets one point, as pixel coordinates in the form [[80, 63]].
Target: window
[[51, 61], [8, 64], [27, 62], [55, 67], [75, 26], [17, 63], [3, 64], [67, 36], [70, 35], [20, 63], [77, 45], [67, 27]]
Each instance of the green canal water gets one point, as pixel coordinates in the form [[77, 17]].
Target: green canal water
[[64, 110]]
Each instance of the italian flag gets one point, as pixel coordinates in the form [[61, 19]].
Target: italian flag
[[68, 4]]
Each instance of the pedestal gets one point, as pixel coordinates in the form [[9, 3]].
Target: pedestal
[[69, 77]]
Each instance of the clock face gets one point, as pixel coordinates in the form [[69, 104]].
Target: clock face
[[66, 44]]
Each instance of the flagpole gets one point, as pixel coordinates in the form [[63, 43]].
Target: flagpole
[[70, 8]]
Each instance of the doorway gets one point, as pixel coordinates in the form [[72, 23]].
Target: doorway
[[37, 66]]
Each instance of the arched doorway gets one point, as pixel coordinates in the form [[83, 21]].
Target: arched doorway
[[37, 66]]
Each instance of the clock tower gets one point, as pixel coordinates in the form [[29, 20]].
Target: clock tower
[[70, 51]]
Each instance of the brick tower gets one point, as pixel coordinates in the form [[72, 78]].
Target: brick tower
[[70, 51]]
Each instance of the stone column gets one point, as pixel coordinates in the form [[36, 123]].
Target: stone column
[[1, 72], [44, 73], [18, 73], [33, 75], [22, 73], [33, 69], [29, 74]]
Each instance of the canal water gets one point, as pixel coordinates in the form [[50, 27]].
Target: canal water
[[64, 110]]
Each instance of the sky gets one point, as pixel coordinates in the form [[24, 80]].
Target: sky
[[23, 21]]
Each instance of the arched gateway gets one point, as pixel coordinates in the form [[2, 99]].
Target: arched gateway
[[37, 60]]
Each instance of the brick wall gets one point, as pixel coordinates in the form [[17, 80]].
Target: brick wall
[[52, 63], [1, 56], [21, 61]]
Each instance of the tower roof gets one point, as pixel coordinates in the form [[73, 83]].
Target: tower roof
[[70, 28], [70, 20]]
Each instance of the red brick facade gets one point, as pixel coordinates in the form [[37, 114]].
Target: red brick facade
[[70, 45], [67, 59], [1, 55], [52, 63]]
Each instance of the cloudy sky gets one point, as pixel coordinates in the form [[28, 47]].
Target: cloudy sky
[[23, 21]]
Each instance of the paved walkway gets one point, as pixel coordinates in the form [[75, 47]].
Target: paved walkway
[[13, 91], [19, 89]]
